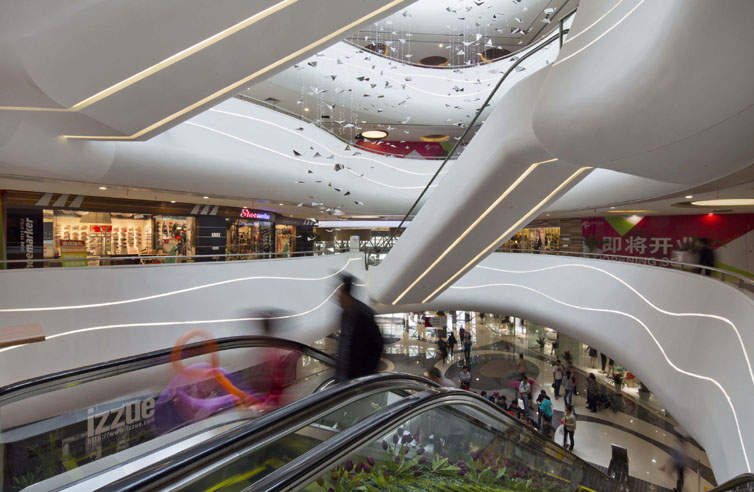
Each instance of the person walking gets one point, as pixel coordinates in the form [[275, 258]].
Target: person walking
[[591, 393], [568, 387], [523, 393], [452, 343], [467, 347], [546, 409], [361, 342], [520, 366], [465, 378], [706, 256], [557, 377], [569, 421], [442, 350]]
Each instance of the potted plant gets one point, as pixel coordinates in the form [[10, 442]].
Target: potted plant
[[568, 358], [541, 343]]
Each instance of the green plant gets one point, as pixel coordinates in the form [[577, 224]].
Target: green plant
[[618, 378], [568, 357], [541, 342]]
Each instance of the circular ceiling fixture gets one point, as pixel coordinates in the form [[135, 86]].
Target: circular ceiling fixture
[[373, 134], [379, 48], [725, 202], [491, 54], [434, 138], [434, 61]]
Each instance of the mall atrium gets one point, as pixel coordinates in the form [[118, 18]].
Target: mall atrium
[[201, 204]]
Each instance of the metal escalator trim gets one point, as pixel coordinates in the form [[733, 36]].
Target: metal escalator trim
[[70, 377], [214, 452], [312, 464], [735, 482]]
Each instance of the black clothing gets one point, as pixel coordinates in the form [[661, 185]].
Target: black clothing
[[706, 258], [604, 361], [360, 344]]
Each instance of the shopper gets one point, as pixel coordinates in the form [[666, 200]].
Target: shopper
[[547, 429], [568, 387], [520, 366], [523, 393], [706, 256], [591, 393], [540, 398], [442, 349], [465, 378], [546, 409], [604, 361], [361, 342], [557, 377], [569, 422], [452, 343], [610, 367], [467, 347], [502, 402], [435, 375], [592, 356]]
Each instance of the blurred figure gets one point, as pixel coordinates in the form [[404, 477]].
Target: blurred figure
[[465, 378], [279, 367], [442, 349], [521, 366], [706, 256], [677, 463], [435, 375], [502, 402], [569, 385], [361, 343], [569, 421], [591, 393], [452, 343], [467, 346], [557, 377], [523, 393]]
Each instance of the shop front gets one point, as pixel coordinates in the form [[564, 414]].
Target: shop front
[[252, 233]]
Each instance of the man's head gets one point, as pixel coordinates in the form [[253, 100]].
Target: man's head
[[345, 298], [557, 362], [434, 374], [521, 355]]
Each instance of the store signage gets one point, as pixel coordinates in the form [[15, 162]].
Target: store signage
[[247, 214], [216, 234], [25, 235], [120, 420], [71, 249], [100, 228]]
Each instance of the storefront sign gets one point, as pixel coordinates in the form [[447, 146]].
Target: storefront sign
[[25, 238], [216, 234], [658, 238], [100, 228], [246, 214], [353, 242], [73, 250]]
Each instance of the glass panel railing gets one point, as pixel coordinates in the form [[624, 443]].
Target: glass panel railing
[[456, 448], [65, 422]]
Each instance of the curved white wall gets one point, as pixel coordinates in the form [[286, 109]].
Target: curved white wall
[[684, 335]]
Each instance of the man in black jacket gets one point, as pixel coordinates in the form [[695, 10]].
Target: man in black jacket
[[361, 341]]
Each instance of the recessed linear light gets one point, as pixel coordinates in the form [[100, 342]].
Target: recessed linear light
[[629, 211], [333, 35], [725, 202], [281, 204], [435, 138], [306, 109], [181, 55], [373, 134], [172, 201], [103, 188], [689, 197], [206, 197]]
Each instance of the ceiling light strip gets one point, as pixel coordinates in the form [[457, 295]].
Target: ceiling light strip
[[600, 36], [473, 225], [171, 60], [243, 81], [643, 298], [652, 336], [571, 38], [511, 229]]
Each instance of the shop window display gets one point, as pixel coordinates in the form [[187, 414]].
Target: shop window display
[[285, 239], [534, 238], [246, 237], [103, 234], [174, 236]]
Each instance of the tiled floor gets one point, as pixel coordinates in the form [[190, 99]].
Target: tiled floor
[[647, 435]]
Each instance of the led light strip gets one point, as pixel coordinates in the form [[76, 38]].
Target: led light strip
[[571, 38], [179, 323], [473, 225], [649, 332], [243, 81], [300, 135], [171, 60], [511, 229], [642, 297], [305, 161], [600, 36], [176, 292]]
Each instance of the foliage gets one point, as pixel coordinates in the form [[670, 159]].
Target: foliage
[[541, 342], [567, 356]]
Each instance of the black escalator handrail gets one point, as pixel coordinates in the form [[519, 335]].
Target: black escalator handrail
[[51, 382], [282, 421], [745, 478], [312, 464]]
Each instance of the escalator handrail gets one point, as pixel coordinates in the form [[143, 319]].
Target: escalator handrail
[[51, 382], [313, 463], [282, 421], [734, 482]]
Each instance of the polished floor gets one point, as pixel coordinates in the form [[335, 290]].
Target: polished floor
[[640, 426]]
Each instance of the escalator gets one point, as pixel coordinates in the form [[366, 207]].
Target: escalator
[[388, 432], [58, 428]]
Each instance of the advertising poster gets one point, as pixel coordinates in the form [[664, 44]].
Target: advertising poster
[[671, 237], [25, 239], [73, 250]]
